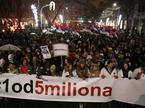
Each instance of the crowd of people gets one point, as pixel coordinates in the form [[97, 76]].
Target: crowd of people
[[90, 54]]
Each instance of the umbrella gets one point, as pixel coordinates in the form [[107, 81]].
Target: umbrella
[[60, 31], [33, 33], [48, 32], [9, 47]]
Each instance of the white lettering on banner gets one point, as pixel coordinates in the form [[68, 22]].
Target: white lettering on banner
[[72, 89], [60, 49]]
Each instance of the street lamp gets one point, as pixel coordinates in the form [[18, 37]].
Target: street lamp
[[51, 6], [119, 20], [61, 18], [35, 12], [107, 21], [66, 8], [114, 4]]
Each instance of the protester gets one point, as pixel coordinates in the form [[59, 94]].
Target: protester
[[89, 44], [125, 72], [13, 69], [108, 71], [25, 68], [82, 70], [53, 71], [40, 69], [2, 62], [95, 70], [11, 57], [139, 73], [67, 72]]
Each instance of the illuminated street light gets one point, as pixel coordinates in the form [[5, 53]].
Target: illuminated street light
[[107, 21], [100, 22], [3, 30], [61, 18], [89, 21], [51, 6], [114, 4], [35, 12], [119, 19], [46, 22], [81, 21], [66, 8]]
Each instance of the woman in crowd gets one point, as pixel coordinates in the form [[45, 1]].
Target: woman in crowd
[[34, 61], [13, 69], [108, 71], [53, 71], [82, 70], [95, 70], [67, 72], [139, 73], [25, 68], [2, 65], [125, 71], [40, 69]]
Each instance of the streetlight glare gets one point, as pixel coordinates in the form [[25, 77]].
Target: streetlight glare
[[35, 12], [82, 21], [89, 21], [107, 21], [66, 8], [52, 5], [114, 4], [32, 6], [119, 19], [41, 15], [61, 18]]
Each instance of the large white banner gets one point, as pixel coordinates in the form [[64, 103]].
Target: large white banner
[[72, 89], [60, 49]]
